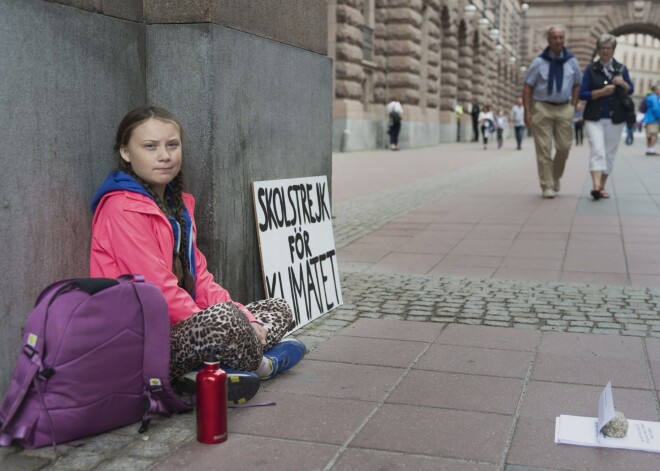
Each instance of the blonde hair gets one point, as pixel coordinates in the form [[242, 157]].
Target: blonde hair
[[605, 39]]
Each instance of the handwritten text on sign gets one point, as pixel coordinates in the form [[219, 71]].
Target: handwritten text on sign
[[297, 246]]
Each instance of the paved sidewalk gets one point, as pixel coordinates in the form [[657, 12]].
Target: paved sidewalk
[[475, 313], [459, 210], [390, 394]]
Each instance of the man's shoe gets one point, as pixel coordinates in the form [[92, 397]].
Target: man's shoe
[[548, 193], [241, 385], [284, 356], [556, 185]]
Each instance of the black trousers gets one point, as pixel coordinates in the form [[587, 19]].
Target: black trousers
[[394, 133]]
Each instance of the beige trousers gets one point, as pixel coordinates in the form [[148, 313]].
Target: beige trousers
[[551, 123]]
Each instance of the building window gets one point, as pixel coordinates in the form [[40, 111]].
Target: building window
[[367, 43], [367, 88], [368, 13]]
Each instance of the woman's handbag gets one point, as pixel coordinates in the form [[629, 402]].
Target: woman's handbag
[[627, 107], [626, 102]]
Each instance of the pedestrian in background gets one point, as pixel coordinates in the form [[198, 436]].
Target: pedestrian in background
[[550, 94], [518, 121], [578, 123], [630, 133], [603, 83], [458, 110], [487, 123], [395, 116], [652, 119], [501, 122], [474, 114]]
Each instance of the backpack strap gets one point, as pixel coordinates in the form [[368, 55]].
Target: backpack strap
[[30, 365], [94, 285], [155, 371]]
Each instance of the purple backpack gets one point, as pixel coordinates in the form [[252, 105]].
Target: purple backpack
[[95, 357]]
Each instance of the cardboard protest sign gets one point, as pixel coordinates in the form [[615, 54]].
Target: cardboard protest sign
[[297, 246]]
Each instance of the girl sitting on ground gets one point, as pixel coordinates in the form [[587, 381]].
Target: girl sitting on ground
[[144, 223]]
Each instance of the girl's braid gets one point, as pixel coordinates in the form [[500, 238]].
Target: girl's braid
[[175, 200], [180, 265]]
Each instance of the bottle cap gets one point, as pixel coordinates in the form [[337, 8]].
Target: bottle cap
[[211, 358]]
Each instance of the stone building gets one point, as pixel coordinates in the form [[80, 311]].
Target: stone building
[[433, 54], [428, 54], [641, 54]]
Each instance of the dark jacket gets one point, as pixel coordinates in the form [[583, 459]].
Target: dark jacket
[[605, 107]]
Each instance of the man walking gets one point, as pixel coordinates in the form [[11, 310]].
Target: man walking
[[474, 113], [458, 109], [395, 115], [550, 94]]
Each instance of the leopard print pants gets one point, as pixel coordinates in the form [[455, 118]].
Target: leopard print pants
[[224, 329]]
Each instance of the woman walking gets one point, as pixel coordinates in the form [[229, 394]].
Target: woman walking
[[604, 82]]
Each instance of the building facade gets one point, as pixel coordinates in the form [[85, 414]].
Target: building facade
[[428, 54], [641, 54], [434, 54]]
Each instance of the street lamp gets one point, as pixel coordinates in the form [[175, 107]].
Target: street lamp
[[494, 33], [484, 22], [470, 10], [523, 33]]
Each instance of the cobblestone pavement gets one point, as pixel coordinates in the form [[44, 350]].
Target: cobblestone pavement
[[611, 310]]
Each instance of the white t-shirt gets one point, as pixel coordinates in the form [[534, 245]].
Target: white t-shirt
[[394, 106], [483, 116]]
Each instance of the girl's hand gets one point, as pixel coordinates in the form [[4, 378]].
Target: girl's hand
[[261, 332]]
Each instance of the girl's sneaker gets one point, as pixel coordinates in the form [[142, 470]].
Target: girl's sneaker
[[241, 385], [284, 356]]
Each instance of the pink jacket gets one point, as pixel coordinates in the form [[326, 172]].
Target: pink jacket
[[130, 234]]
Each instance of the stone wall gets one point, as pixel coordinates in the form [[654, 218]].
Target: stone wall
[[254, 97]]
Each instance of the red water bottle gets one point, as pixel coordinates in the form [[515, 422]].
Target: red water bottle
[[211, 403]]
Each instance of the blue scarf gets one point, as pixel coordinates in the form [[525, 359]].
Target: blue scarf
[[120, 180], [556, 74]]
